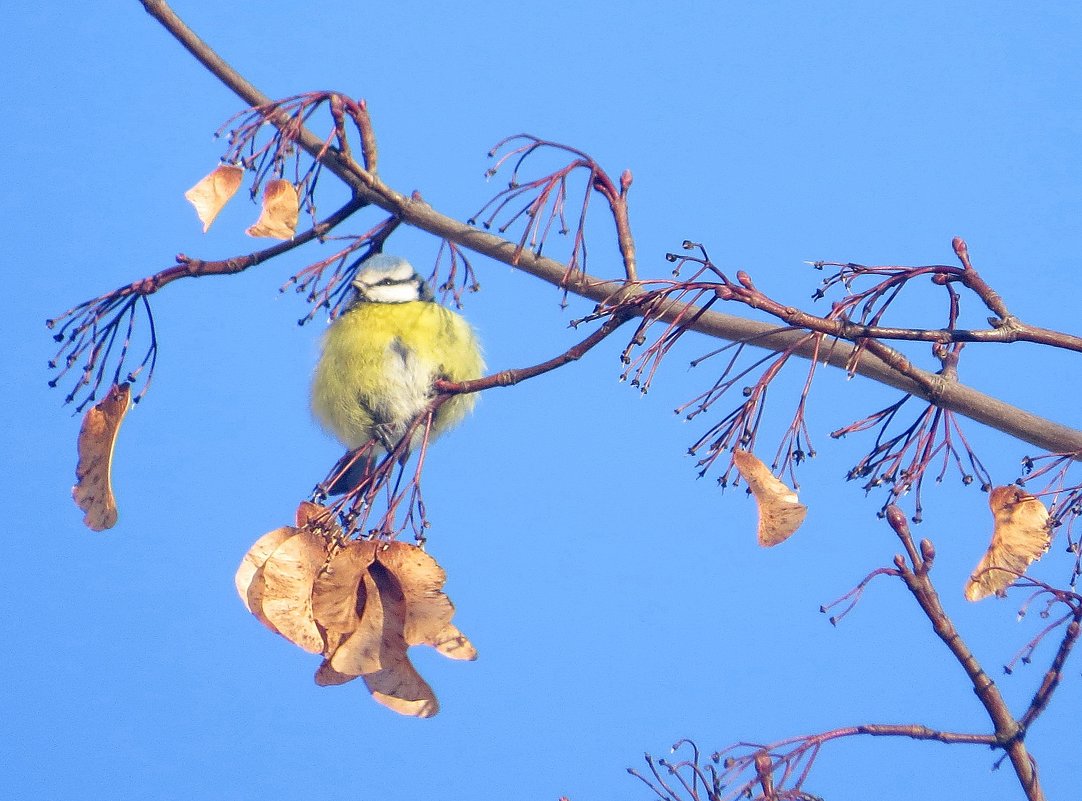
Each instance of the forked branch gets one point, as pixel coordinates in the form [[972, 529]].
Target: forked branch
[[364, 475], [1009, 733], [89, 333], [1044, 434], [780, 770]]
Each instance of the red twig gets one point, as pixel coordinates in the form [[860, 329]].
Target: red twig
[[854, 595], [542, 202], [372, 474], [88, 333], [332, 291]]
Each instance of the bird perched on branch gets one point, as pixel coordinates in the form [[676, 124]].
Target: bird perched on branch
[[381, 357]]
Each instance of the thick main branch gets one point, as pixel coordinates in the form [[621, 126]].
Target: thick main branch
[[1039, 432]]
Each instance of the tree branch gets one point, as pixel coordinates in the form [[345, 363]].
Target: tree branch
[[1054, 673], [507, 378], [1009, 732], [780, 767], [89, 331], [1039, 432]]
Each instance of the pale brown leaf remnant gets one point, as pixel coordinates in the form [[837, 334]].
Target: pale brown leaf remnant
[[428, 609], [288, 577], [211, 194], [281, 207], [249, 578], [396, 684], [340, 595], [1020, 536], [93, 490], [780, 512]]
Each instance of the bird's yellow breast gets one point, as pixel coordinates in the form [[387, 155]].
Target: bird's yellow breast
[[378, 364]]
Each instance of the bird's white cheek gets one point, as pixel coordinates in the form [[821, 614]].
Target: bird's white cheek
[[392, 293]]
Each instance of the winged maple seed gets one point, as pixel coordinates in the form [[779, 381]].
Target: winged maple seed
[[1021, 535], [339, 595], [281, 207], [396, 683], [288, 576], [93, 490], [249, 578], [780, 512], [211, 194], [359, 603]]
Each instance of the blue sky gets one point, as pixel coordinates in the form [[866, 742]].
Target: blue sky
[[617, 603]]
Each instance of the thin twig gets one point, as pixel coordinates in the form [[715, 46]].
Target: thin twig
[[507, 378], [1054, 673]]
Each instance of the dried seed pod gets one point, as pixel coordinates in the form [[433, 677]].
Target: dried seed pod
[[1020, 536]]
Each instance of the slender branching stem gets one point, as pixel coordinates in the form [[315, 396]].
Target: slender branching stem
[[1042, 433], [1009, 733]]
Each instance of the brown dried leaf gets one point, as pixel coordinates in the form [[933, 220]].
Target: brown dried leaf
[[397, 684], [288, 576], [281, 207], [1021, 535], [249, 577], [327, 676], [780, 512], [376, 650], [362, 651], [93, 490], [339, 595], [371, 601], [213, 192], [402, 689], [453, 644], [428, 609], [312, 515]]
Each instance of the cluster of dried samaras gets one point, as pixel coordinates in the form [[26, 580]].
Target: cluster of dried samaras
[[358, 603], [361, 604], [277, 217]]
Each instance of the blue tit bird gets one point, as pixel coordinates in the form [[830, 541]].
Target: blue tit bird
[[381, 357]]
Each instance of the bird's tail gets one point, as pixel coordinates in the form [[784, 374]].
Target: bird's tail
[[347, 475]]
